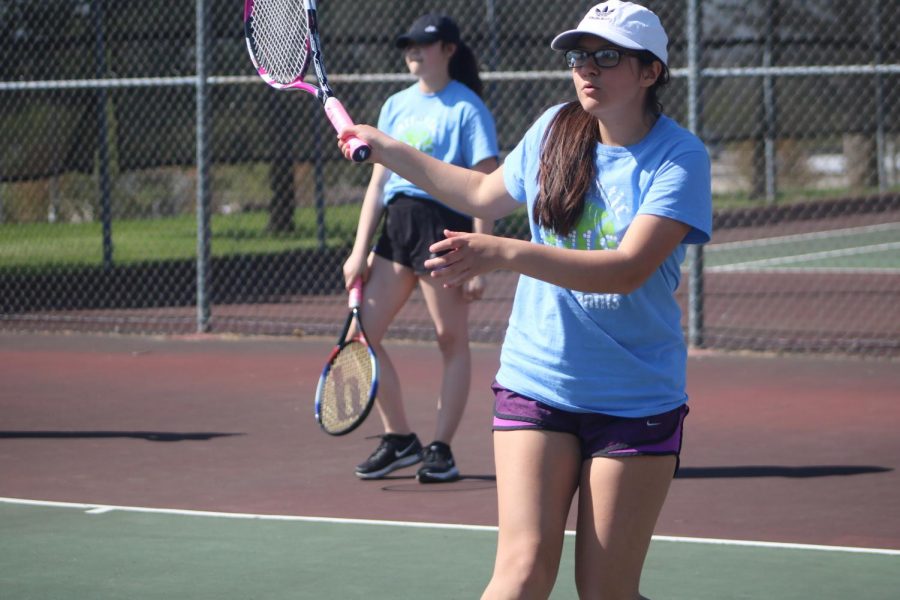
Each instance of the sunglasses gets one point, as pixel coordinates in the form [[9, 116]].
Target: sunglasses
[[607, 58]]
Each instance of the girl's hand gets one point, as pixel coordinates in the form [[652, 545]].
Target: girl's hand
[[464, 255], [374, 138], [355, 266]]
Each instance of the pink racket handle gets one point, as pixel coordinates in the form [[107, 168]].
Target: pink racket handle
[[337, 114], [356, 293]]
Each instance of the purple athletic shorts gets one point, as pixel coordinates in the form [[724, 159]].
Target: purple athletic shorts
[[599, 434]]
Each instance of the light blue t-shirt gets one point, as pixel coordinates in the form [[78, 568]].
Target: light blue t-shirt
[[617, 354], [452, 125]]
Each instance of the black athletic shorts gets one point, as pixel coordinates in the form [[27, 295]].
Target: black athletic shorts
[[411, 225]]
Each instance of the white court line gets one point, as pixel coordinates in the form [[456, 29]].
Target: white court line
[[106, 508], [794, 258], [803, 270], [799, 237]]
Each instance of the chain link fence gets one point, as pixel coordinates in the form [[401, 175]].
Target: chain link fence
[[150, 183]]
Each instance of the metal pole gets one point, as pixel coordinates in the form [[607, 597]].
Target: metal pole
[[319, 184], [2, 190], [103, 135], [769, 104], [695, 251], [880, 149], [203, 217], [491, 18]]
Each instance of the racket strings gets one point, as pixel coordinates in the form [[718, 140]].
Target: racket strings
[[280, 32], [346, 390]]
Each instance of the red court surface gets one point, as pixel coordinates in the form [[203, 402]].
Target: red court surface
[[777, 448]]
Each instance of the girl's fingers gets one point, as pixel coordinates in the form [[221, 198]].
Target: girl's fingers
[[439, 263], [440, 247], [450, 242]]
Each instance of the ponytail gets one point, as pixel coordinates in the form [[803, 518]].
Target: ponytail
[[463, 67], [567, 168]]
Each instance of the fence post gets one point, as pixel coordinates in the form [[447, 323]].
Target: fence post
[[203, 217], [491, 19], [695, 251], [319, 184], [102, 133], [770, 136], [880, 149]]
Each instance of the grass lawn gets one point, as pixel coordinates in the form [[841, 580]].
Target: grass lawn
[[38, 246]]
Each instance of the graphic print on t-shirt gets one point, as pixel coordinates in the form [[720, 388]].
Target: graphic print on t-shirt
[[595, 230], [418, 132]]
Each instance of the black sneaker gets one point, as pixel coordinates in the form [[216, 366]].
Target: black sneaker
[[437, 464], [394, 452]]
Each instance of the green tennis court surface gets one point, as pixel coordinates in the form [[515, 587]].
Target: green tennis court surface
[[86, 551], [866, 248]]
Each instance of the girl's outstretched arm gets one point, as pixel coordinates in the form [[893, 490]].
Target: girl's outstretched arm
[[478, 194]]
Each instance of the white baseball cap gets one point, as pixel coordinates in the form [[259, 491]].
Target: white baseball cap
[[623, 23]]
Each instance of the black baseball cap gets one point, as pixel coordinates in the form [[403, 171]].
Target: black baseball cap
[[428, 29]]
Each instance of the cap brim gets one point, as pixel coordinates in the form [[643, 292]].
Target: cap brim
[[423, 38], [568, 40]]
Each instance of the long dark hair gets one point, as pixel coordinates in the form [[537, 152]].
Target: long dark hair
[[567, 167], [463, 67]]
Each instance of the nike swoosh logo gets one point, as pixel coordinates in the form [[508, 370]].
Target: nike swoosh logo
[[399, 453], [653, 423]]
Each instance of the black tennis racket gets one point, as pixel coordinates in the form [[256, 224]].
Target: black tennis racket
[[349, 381], [283, 39]]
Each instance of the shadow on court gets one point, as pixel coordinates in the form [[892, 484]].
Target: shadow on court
[[778, 449], [150, 436], [776, 471]]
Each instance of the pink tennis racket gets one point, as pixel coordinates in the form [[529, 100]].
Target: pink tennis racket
[[283, 38]]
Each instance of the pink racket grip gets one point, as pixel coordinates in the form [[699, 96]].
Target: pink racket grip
[[356, 293], [337, 114]]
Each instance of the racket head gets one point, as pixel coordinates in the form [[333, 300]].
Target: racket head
[[347, 386], [278, 35], [283, 40]]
